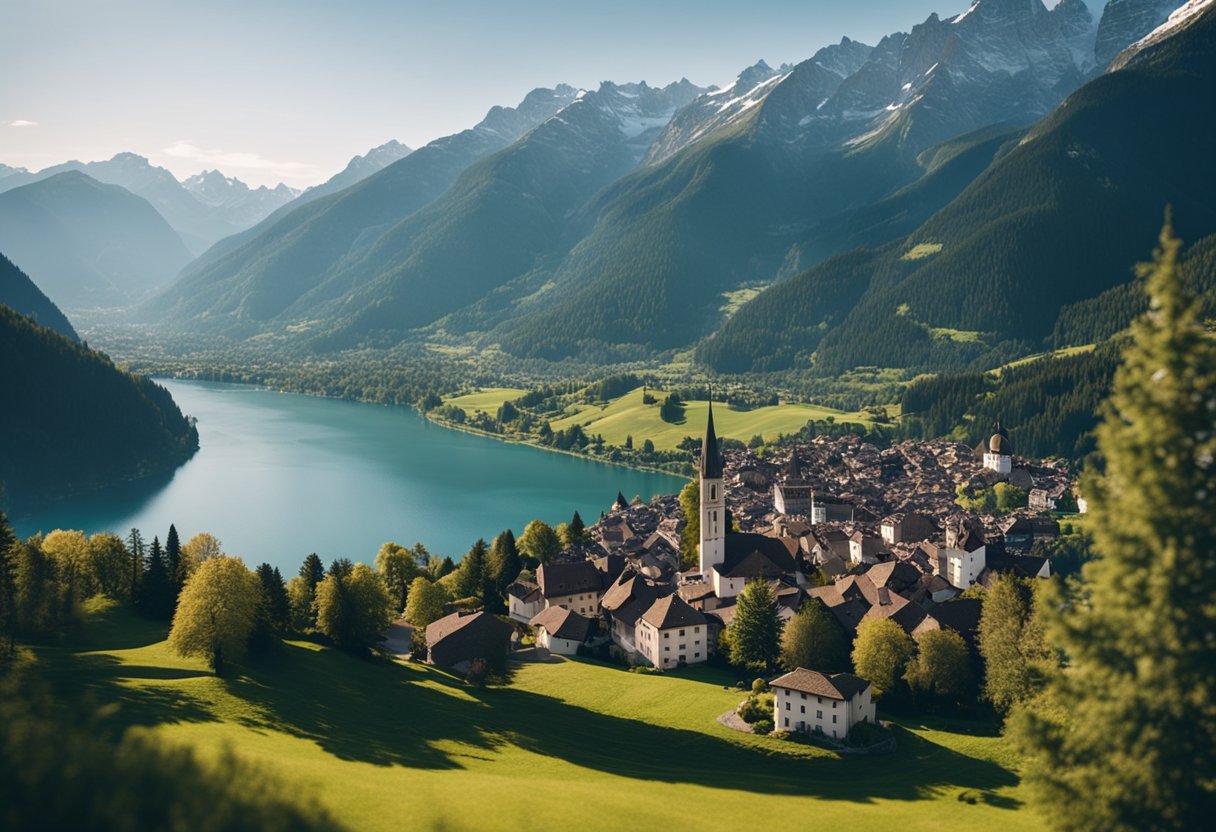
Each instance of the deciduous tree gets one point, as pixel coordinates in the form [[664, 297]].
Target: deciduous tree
[[881, 653], [216, 613], [539, 542], [812, 639], [940, 672], [1016, 658], [352, 606], [397, 569]]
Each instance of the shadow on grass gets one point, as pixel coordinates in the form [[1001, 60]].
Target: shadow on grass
[[385, 713]]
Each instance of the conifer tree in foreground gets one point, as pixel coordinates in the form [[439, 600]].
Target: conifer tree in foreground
[[755, 633], [1125, 737]]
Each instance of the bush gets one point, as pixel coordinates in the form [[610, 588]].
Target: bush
[[780, 735], [864, 734], [479, 672], [756, 708], [763, 727], [759, 686]]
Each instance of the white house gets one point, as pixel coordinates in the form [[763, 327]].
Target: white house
[[575, 585], [671, 633], [524, 600], [960, 567], [807, 700], [560, 630]]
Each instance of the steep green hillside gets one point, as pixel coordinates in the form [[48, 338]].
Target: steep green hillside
[[18, 292], [1058, 220], [72, 420]]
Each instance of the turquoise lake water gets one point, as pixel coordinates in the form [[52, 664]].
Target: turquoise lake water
[[280, 475]]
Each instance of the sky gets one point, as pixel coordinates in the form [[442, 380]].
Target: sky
[[289, 90]]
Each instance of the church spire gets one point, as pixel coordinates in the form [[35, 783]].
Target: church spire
[[711, 461]]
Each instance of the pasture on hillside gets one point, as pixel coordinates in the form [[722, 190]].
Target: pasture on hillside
[[570, 744], [628, 416]]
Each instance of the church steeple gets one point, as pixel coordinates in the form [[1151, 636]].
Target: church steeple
[[711, 460]]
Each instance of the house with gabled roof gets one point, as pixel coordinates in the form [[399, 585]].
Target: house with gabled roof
[[524, 600], [672, 633], [575, 585], [562, 631], [813, 702], [455, 640]]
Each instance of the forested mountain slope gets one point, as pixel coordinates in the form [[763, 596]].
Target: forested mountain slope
[[72, 420], [20, 294]]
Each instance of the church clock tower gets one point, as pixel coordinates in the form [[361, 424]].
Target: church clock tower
[[713, 502]]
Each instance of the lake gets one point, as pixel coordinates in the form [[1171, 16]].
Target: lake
[[279, 475]]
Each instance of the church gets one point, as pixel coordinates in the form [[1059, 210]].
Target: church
[[728, 561]]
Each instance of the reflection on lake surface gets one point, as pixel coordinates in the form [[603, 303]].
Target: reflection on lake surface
[[280, 475]]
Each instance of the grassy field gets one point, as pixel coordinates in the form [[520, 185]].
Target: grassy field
[[1063, 352], [628, 416], [488, 400], [569, 745]]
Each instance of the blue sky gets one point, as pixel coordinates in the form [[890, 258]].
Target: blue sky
[[290, 89]]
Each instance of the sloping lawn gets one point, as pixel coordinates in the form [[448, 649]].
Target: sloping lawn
[[568, 745], [628, 416]]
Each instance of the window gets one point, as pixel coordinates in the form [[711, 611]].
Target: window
[[803, 695], [666, 635], [833, 703], [818, 700], [698, 641], [803, 708], [787, 706], [666, 649], [787, 722], [713, 495], [696, 655], [818, 714], [833, 718], [681, 632], [696, 629]]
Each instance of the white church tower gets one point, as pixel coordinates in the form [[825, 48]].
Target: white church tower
[[713, 501], [999, 454]]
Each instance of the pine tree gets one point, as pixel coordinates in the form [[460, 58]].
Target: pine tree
[[174, 567], [755, 633], [471, 579], [1125, 738], [135, 548], [578, 530], [8, 585], [312, 571], [156, 593]]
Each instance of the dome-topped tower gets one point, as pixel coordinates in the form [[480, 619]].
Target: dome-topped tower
[[999, 454]]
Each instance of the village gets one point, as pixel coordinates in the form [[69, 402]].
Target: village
[[866, 533]]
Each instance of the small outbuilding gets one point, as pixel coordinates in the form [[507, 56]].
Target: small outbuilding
[[455, 640]]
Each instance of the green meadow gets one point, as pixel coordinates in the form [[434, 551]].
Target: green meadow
[[567, 745], [628, 416]]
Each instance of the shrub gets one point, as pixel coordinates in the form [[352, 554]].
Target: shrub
[[864, 734], [763, 727], [479, 672], [759, 686]]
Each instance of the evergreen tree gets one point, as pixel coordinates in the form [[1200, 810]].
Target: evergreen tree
[[340, 567], [135, 548], [472, 574], [174, 567], [8, 586], [504, 562], [1016, 658], [312, 571], [1125, 738], [812, 639], [578, 530], [881, 653], [156, 593], [755, 633]]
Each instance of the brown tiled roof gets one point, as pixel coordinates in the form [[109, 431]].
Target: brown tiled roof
[[741, 547], [522, 590], [461, 636], [563, 623], [672, 611], [557, 579], [842, 686]]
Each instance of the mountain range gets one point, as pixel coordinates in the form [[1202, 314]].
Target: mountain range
[[916, 186], [20, 294], [88, 244]]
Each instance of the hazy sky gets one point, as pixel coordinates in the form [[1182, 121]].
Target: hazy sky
[[271, 90]]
